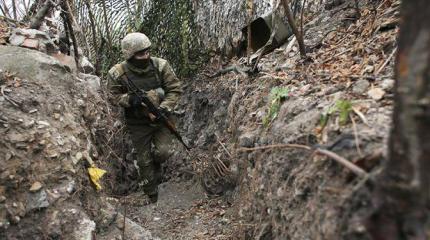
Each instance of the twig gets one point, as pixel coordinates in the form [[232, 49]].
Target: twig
[[69, 18], [354, 126], [337, 55], [223, 146], [123, 221], [2, 10], [275, 146], [7, 98], [293, 26], [301, 18], [6, 10], [351, 166], [250, 8], [361, 115], [222, 164], [105, 18], [386, 62], [344, 162], [15, 16], [94, 34]]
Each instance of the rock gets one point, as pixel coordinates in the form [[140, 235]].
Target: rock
[[92, 81], [134, 231], [17, 137], [67, 61], [86, 66], [37, 200], [16, 40], [36, 186], [360, 86], [34, 39], [368, 69], [85, 228], [31, 43], [247, 139], [376, 93], [388, 84]]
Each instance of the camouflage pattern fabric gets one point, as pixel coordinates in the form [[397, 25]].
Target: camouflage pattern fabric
[[151, 140]]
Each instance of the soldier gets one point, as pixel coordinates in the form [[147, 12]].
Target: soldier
[[156, 77]]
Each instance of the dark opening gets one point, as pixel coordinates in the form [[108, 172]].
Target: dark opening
[[260, 34]]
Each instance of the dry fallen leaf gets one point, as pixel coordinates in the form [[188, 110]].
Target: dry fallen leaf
[[376, 93], [36, 186]]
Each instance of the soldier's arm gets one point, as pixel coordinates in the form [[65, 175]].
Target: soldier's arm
[[118, 93], [172, 87]]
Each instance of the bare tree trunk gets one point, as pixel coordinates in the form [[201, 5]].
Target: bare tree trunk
[[106, 24], [294, 28], [250, 8], [69, 17], [37, 20], [302, 19], [403, 190], [6, 10], [2, 10], [15, 16], [94, 33]]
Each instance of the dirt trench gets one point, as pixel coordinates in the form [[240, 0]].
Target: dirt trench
[[228, 188]]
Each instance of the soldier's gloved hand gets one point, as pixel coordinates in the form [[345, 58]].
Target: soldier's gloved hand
[[165, 111], [154, 97], [134, 100], [124, 100]]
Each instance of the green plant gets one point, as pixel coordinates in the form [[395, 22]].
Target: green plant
[[277, 95], [343, 107]]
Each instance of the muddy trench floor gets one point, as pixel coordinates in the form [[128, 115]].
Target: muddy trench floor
[[183, 211]]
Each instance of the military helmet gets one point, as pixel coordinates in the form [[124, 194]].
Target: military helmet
[[133, 43]]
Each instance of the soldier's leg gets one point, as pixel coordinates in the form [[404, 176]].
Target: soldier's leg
[[142, 136], [163, 148]]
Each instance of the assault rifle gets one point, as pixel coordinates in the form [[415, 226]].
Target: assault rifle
[[158, 115]]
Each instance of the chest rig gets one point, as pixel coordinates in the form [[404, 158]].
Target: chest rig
[[145, 79]]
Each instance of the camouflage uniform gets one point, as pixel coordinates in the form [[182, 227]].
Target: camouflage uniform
[[152, 140]]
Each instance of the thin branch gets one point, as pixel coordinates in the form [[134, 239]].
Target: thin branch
[[94, 33], [351, 166], [6, 10], [223, 146], [354, 126], [250, 8], [67, 9], [15, 17], [344, 162], [106, 24], [386, 62], [3, 87], [293, 26], [299, 146], [2, 10], [301, 18], [124, 219]]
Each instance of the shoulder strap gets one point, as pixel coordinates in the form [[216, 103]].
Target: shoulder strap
[[116, 71], [156, 67]]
